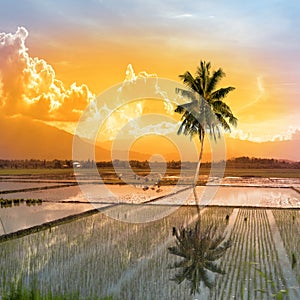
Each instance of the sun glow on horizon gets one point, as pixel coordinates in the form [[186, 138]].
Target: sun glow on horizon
[[45, 89]]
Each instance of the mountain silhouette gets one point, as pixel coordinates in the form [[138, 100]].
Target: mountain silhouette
[[24, 138]]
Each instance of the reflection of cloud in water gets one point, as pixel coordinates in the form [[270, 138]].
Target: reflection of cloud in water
[[95, 192], [119, 193], [261, 182], [23, 216], [252, 196]]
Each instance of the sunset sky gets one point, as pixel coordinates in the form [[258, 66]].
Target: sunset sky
[[67, 52]]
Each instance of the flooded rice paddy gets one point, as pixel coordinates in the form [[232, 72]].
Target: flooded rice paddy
[[124, 250]]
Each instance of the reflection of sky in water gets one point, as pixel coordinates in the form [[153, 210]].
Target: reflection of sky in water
[[95, 192], [50, 194], [262, 182], [18, 217], [252, 196], [22, 216]]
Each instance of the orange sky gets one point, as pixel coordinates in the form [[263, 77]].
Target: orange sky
[[93, 44], [260, 99]]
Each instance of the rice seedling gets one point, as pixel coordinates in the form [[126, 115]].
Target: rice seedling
[[288, 223], [96, 257], [253, 245]]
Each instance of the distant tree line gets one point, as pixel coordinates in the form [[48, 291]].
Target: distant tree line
[[239, 162], [35, 164], [259, 163], [136, 164]]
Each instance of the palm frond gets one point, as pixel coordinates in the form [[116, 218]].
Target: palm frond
[[222, 107], [214, 80], [181, 276], [216, 242], [221, 93], [217, 253], [202, 75], [213, 267], [199, 250], [176, 251], [233, 120], [205, 278], [189, 80], [185, 263], [181, 127], [223, 122], [224, 110]]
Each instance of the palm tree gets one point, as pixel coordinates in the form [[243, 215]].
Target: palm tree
[[206, 112], [199, 247], [199, 250]]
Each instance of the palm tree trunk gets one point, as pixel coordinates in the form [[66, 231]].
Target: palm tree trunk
[[197, 202], [199, 163], [197, 206]]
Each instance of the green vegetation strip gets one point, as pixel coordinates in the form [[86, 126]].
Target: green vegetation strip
[[37, 188], [36, 171], [108, 171], [4, 203], [170, 204], [33, 180]]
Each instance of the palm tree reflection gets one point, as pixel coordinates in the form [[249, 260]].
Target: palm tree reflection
[[199, 249], [198, 246]]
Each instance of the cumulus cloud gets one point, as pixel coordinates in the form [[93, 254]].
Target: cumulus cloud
[[151, 86], [137, 88], [296, 135], [28, 85], [109, 112], [160, 128], [291, 133], [244, 135]]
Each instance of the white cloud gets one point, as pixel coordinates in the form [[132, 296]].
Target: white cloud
[[296, 135], [121, 105], [291, 133], [161, 128], [182, 16], [29, 85]]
